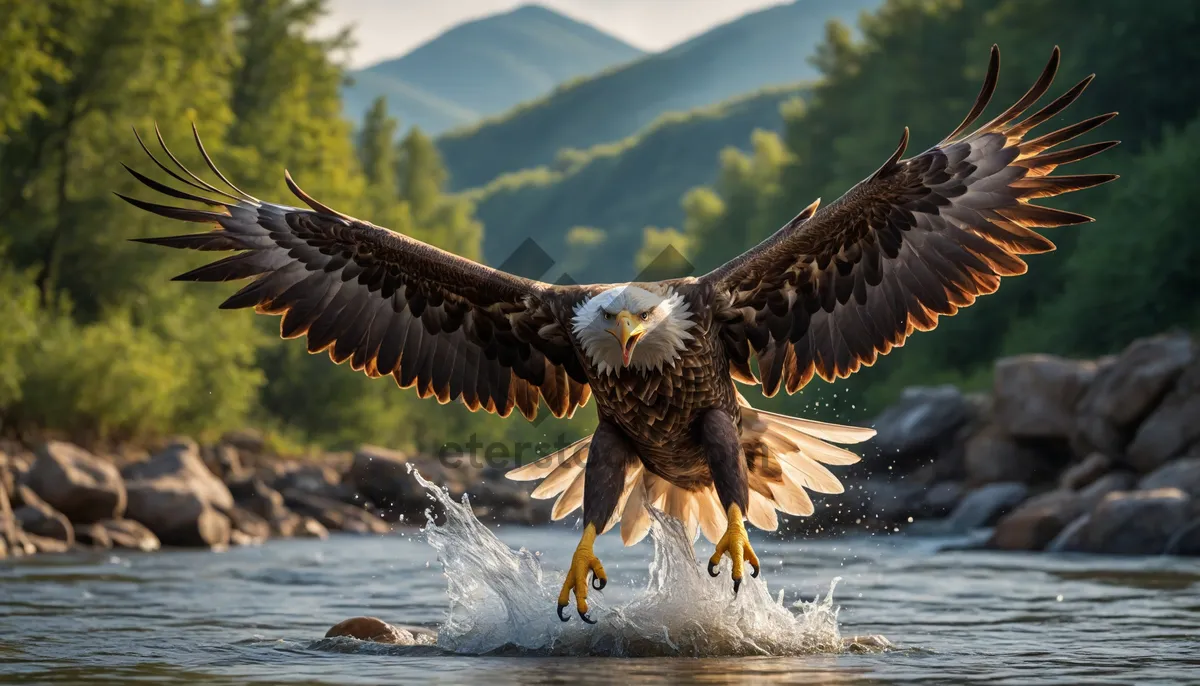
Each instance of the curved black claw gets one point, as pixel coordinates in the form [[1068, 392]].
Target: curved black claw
[[584, 617], [561, 615], [598, 583], [712, 569], [754, 574], [737, 583]]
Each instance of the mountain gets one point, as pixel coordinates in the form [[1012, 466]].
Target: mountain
[[484, 67], [759, 49], [621, 188]]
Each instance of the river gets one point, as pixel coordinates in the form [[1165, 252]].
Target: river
[[258, 614]]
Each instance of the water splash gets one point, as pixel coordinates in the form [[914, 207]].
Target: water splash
[[501, 601]]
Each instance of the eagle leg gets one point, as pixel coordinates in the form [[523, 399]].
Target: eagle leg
[[727, 464], [609, 454], [582, 562]]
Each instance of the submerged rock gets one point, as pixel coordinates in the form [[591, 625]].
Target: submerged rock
[[83, 487], [372, 629]]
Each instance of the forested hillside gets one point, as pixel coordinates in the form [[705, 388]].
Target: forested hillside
[[920, 64], [770, 47], [623, 187], [97, 342], [484, 67]]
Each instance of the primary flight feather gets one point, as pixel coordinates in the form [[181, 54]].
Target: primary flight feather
[[825, 295]]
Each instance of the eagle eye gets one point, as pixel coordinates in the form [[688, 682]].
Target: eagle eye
[[645, 316], [607, 315]]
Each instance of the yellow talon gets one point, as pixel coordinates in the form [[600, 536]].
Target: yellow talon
[[582, 562], [737, 543]]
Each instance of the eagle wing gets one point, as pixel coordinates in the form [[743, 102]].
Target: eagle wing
[[921, 237], [450, 327]]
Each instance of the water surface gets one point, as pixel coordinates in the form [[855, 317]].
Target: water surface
[[258, 614]]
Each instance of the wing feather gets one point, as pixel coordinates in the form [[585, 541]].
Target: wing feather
[[388, 303], [919, 239]]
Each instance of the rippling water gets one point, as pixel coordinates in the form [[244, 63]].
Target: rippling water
[[258, 614]]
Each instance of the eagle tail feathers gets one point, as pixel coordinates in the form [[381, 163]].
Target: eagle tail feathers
[[789, 460]]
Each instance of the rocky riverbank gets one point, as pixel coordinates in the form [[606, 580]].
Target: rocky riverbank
[[58, 497], [1098, 456]]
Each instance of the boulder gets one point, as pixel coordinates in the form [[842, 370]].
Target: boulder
[[259, 498], [1182, 474], [295, 526], [334, 514], [176, 496], [920, 425], [984, 506], [941, 498], [248, 440], [1037, 521], [37, 518], [8, 481], [1186, 541], [1171, 428], [993, 456], [170, 507], [891, 502], [46, 545], [126, 533], [372, 629], [1035, 395], [1084, 472], [94, 535], [1131, 523], [248, 527], [181, 461], [382, 476], [1091, 495], [316, 479], [222, 460], [83, 487], [1124, 392]]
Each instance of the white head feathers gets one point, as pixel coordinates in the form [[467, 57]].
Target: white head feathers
[[662, 323]]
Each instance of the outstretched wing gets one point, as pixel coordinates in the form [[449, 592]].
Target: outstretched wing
[[921, 237], [391, 305]]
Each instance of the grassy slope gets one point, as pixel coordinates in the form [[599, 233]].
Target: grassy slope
[[759, 49], [484, 67]]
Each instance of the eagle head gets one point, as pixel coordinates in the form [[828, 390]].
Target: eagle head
[[635, 327]]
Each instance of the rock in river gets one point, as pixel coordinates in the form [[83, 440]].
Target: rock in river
[[1130, 523], [74, 482], [371, 629], [37, 518], [176, 496]]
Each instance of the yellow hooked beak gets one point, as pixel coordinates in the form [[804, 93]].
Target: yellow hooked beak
[[628, 330]]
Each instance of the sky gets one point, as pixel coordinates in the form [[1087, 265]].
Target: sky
[[390, 28]]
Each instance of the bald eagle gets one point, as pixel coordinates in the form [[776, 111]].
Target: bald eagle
[[825, 295]]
